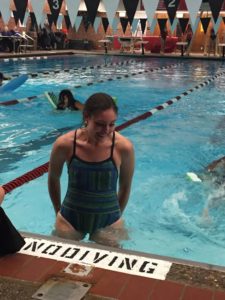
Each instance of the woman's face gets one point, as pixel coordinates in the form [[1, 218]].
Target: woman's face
[[101, 124], [65, 100]]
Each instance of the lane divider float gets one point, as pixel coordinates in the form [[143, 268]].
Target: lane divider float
[[24, 58]]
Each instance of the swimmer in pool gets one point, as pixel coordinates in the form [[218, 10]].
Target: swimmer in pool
[[3, 77], [66, 100]]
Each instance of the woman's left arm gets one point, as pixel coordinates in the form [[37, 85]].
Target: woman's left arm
[[126, 174]]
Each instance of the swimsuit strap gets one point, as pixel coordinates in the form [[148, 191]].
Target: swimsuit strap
[[75, 144], [113, 143]]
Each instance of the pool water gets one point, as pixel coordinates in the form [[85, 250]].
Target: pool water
[[166, 211]]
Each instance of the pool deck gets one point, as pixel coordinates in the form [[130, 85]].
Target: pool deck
[[61, 276], [25, 275]]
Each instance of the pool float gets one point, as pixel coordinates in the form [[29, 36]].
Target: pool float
[[13, 84], [52, 98], [193, 177]]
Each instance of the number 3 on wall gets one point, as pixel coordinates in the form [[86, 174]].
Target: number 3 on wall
[[172, 3], [55, 4]]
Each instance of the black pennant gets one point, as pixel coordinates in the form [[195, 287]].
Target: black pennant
[[131, 7], [92, 8], [105, 24], [205, 23], [16, 16], [143, 25], [124, 23], [55, 7], [171, 7], [67, 21], [33, 21], [21, 6], [50, 20], [162, 24], [215, 6], [183, 24]]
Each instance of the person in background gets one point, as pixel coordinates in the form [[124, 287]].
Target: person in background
[[100, 164], [212, 42], [66, 100], [164, 34]]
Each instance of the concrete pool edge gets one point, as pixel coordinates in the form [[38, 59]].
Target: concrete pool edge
[[181, 271]]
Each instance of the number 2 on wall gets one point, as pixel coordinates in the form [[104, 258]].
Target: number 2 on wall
[[55, 4], [172, 3]]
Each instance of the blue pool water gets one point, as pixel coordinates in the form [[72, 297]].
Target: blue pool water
[[165, 211]]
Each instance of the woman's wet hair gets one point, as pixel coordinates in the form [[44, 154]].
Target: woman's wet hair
[[71, 99], [99, 102]]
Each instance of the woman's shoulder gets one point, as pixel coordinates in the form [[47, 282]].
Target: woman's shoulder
[[123, 142], [66, 138]]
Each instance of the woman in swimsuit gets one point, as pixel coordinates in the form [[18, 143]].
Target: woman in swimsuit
[[100, 165]]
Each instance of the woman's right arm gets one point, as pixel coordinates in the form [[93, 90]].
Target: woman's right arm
[[56, 163]]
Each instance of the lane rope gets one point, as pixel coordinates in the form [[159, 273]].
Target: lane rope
[[21, 100], [57, 71], [39, 171], [24, 58]]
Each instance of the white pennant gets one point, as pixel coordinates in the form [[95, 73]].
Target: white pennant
[[150, 8], [152, 27], [38, 7], [134, 25], [111, 7], [5, 11], [174, 25], [43, 19], [217, 24], [115, 24], [197, 20], [77, 22], [73, 7], [193, 8], [97, 23], [59, 21]]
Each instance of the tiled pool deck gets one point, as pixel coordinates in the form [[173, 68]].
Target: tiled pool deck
[[22, 274]]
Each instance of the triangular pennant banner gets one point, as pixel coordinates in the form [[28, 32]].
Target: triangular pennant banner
[[59, 21], [162, 24], [92, 8], [152, 27], [86, 21], [16, 16], [38, 7], [205, 23], [96, 23], [193, 7], [143, 25], [21, 6], [50, 20], [105, 24], [130, 7], [25, 18], [183, 24], [43, 19], [55, 7], [73, 7], [33, 21], [115, 24], [134, 25], [111, 7], [150, 8], [171, 7], [217, 24], [174, 25], [67, 21], [215, 6], [78, 22], [124, 23], [5, 11]]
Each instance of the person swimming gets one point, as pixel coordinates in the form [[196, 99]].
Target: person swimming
[[66, 100]]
